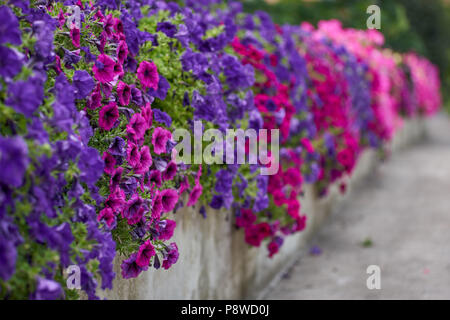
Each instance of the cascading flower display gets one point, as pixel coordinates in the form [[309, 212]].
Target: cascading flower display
[[88, 105]]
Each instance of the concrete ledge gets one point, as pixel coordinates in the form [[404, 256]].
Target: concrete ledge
[[216, 263]]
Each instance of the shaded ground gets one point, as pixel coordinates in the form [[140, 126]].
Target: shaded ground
[[400, 221]]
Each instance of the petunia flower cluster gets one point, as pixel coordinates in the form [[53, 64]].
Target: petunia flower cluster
[[89, 104]]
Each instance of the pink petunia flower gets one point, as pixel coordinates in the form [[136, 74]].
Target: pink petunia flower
[[155, 177], [170, 172], [147, 114], [103, 68], [75, 36], [116, 200], [122, 51], [246, 219], [157, 207], [169, 198], [118, 70], [133, 155], [107, 214], [148, 75], [124, 93], [145, 253], [145, 160], [159, 140], [137, 127], [166, 229], [116, 177], [108, 116], [95, 100], [110, 163], [195, 195]]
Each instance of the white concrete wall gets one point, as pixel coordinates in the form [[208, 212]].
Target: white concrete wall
[[216, 263]]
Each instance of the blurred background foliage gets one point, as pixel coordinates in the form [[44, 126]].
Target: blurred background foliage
[[422, 26]]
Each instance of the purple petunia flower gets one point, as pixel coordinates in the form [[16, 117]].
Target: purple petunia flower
[[47, 290], [9, 27], [133, 155], [75, 36], [172, 256], [13, 161], [117, 147], [25, 96], [167, 28], [122, 52], [83, 84], [162, 117], [130, 268], [137, 127]]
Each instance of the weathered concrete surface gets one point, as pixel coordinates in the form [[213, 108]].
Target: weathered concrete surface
[[404, 209], [216, 263]]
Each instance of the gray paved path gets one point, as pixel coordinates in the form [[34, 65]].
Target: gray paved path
[[404, 210]]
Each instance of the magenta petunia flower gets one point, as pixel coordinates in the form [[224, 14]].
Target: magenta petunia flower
[[148, 75], [103, 68], [132, 207], [110, 163], [157, 207], [95, 100], [195, 195], [107, 214], [118, 70], [137, 127], [108, 116], [166, 229], [116, 177], [170, 171], [169, 198], [159, 140], [124, 93], [155, 177], [116, 200], [75, 36], [118, 25], [133, 155], [130, 268], [145, 160], [122, 51], [145, 253], [172, 256], [147, 114]]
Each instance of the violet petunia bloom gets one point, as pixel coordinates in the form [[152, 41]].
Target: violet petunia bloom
[[162, 117], [172, 256], [147, 74], [170, 172], [159, 140], [103, 68], [83, 84], [13, 161], [108, 116], [124, 93], [117, 147], [9, 27], [145, 253], [10, 62], [47, 290], [169, 198], [25, 96], [132, 206], [130, 268], [167, 28]]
